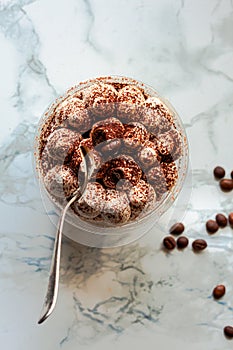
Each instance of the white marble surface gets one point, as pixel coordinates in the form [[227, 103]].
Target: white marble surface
[[137, 295]]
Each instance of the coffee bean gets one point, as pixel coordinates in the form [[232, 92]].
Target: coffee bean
[[232, 174], [228, 331], [219, 291], [221, 220], [212, 226], [230, 218], [219, 172], [169, 242], [199, 244], [226, 185], [182, 242], [177, 228]]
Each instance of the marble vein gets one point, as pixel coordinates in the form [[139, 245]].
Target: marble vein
[[91, 17], [17, 26], [181, 6]]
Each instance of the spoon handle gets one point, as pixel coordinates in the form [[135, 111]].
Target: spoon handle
[[52, 290]]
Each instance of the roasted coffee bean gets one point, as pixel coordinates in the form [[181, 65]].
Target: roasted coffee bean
[[228, 331], [219, 172], [221, 220], [230, 218], [232, 174], [199, 244], [226, 185], [182, 242], [177, 228], [212, 226], [169, 242], [219, 291]]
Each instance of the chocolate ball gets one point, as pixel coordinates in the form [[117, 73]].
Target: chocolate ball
[[142, 197], [155, 176], [116, 207], [74, 112], [170, 173], [61, 143], [163, 178], [152, 198], [156, 116], [61, 181], [130, 99], [107, 129], [135, 135], [148, 155], [169, 145], [100, 99], [116, 169], [91, 202], [46, 162], [75, 159]]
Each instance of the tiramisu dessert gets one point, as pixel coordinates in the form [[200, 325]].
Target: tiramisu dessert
[[133, 139]]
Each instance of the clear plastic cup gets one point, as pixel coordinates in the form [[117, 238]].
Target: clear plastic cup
[[102, 234]]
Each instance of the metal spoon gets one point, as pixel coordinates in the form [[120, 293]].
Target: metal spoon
[[52, 290]]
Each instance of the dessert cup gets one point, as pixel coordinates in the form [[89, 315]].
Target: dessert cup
[[102, 233]]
